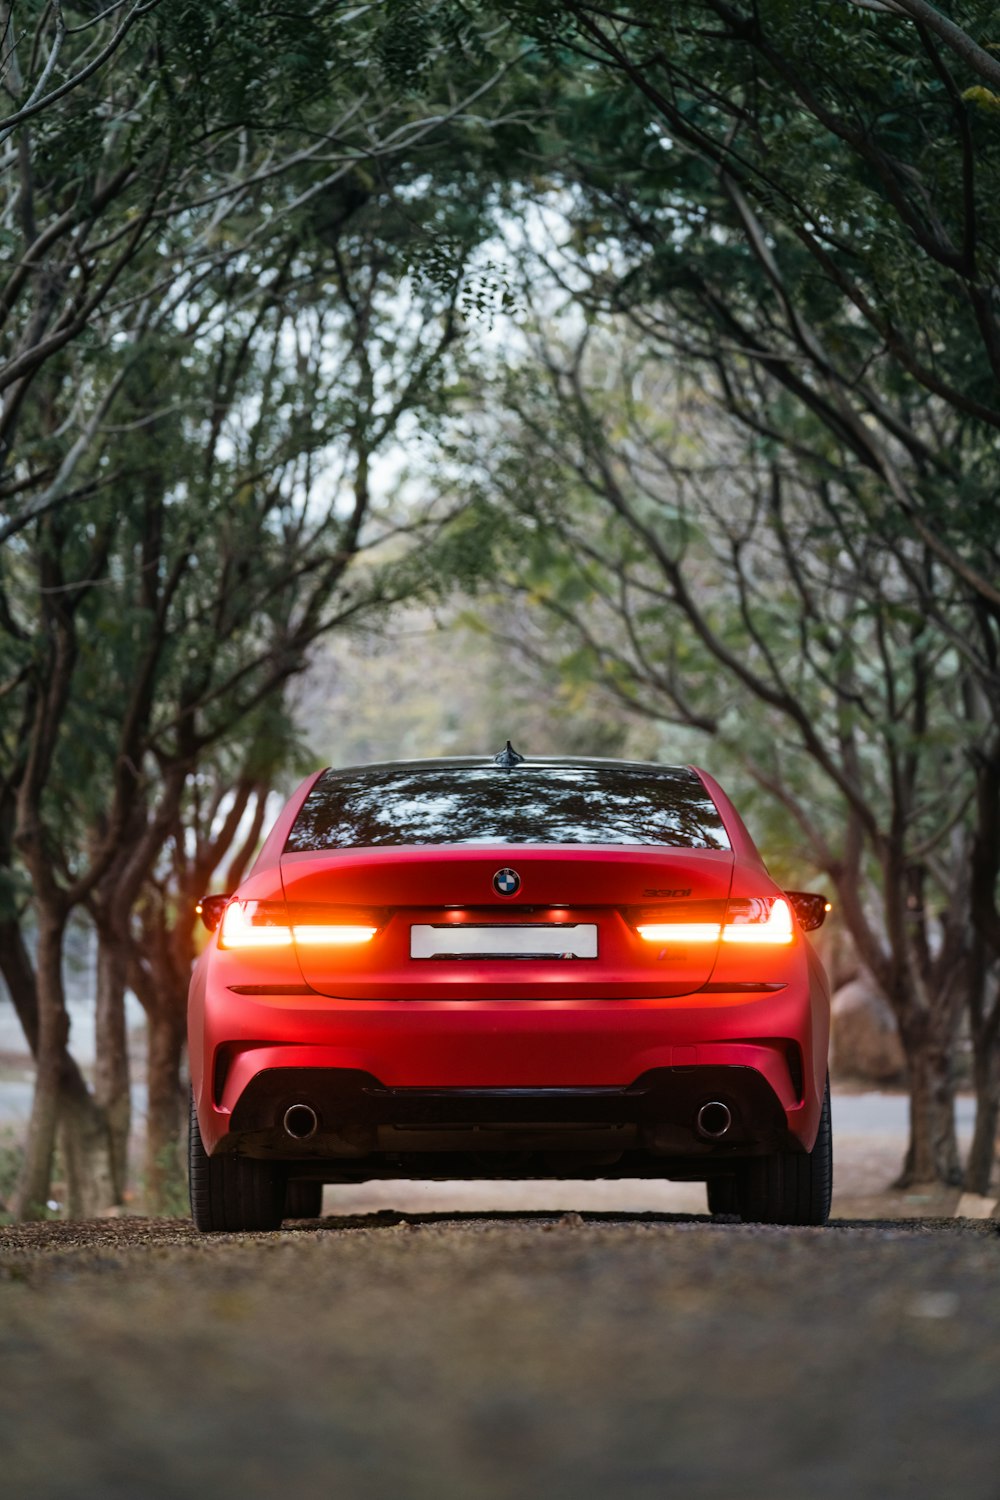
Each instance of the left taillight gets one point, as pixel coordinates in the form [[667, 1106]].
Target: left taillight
[[272, 924], [752, 919]]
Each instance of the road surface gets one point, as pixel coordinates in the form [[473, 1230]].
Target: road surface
[[557, 1356]]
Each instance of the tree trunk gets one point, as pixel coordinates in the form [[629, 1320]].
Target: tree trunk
[[985, 858], [984, 1028], [983, 1151], [33, 1188], [112, 1083], [929, 996], [19, 976], [167, 1113], [932, 1154], [85, 1145], [82, 1136]]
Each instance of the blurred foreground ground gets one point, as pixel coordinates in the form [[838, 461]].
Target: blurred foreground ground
[[486, 1356], [502, 1341]]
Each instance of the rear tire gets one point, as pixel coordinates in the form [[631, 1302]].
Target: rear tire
[[232, 1193], [790, 1187], [303, 1199]]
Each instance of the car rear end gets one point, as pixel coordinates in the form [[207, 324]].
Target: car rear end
[[561, 968]]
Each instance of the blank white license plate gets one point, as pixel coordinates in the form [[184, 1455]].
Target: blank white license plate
[[539, 940]]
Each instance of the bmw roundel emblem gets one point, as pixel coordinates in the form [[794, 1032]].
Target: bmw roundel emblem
[[506, 882]]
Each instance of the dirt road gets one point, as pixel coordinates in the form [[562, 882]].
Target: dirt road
[[562, 1357]]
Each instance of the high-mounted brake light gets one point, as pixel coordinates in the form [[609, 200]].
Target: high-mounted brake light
[[265, 924], [757, 919]]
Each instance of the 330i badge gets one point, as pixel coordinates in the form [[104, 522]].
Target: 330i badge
[[512, 968]]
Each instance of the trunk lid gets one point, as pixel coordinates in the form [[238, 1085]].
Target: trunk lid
[[445, 932]]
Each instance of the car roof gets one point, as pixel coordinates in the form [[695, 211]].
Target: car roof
[[482, 762]]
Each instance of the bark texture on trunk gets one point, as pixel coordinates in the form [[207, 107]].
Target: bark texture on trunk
[[983, 1151], [34, 1184], [932, 1154], [984, 1027], [80, 1127], [167, 1113], [85, 1145], [112, 1082], [19, 976]]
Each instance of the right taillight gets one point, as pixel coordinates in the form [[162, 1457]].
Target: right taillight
[[750, 919], [758, 919]]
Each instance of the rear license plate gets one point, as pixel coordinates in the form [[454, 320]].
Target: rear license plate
[[539, 940]]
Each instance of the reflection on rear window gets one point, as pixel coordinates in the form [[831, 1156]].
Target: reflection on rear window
[[532, 804]]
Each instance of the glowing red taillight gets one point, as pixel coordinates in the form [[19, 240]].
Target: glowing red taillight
[[759, 919], [272, 924], [753, 919], [680, 932]]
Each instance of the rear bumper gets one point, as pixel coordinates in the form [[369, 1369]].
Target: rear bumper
[[646, 1066], [361, 1125]]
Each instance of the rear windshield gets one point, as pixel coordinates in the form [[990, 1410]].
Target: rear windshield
[[529, 805]]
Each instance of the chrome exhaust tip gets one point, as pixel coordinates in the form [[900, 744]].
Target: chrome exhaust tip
[[300, 1121], [713, 1120]]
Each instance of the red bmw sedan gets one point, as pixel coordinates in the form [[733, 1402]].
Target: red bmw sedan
[[510, 968]]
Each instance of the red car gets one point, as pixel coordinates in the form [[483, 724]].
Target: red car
[[558, 968]]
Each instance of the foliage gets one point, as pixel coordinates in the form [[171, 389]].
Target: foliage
[[806, 186], [243, 248], [204, 349], [800, 204], [742, 591]]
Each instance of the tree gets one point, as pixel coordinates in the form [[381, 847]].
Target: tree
[[730, 588], [801, 205], [193, 341], [218, 824], [814, 189]]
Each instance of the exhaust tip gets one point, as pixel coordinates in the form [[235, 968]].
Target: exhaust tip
[[300, 1121], [713, 1120]]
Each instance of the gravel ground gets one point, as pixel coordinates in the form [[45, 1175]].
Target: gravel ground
[[488, 1356], [491, 1340]]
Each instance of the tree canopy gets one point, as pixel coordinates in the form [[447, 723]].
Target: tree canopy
[[728, 415]]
